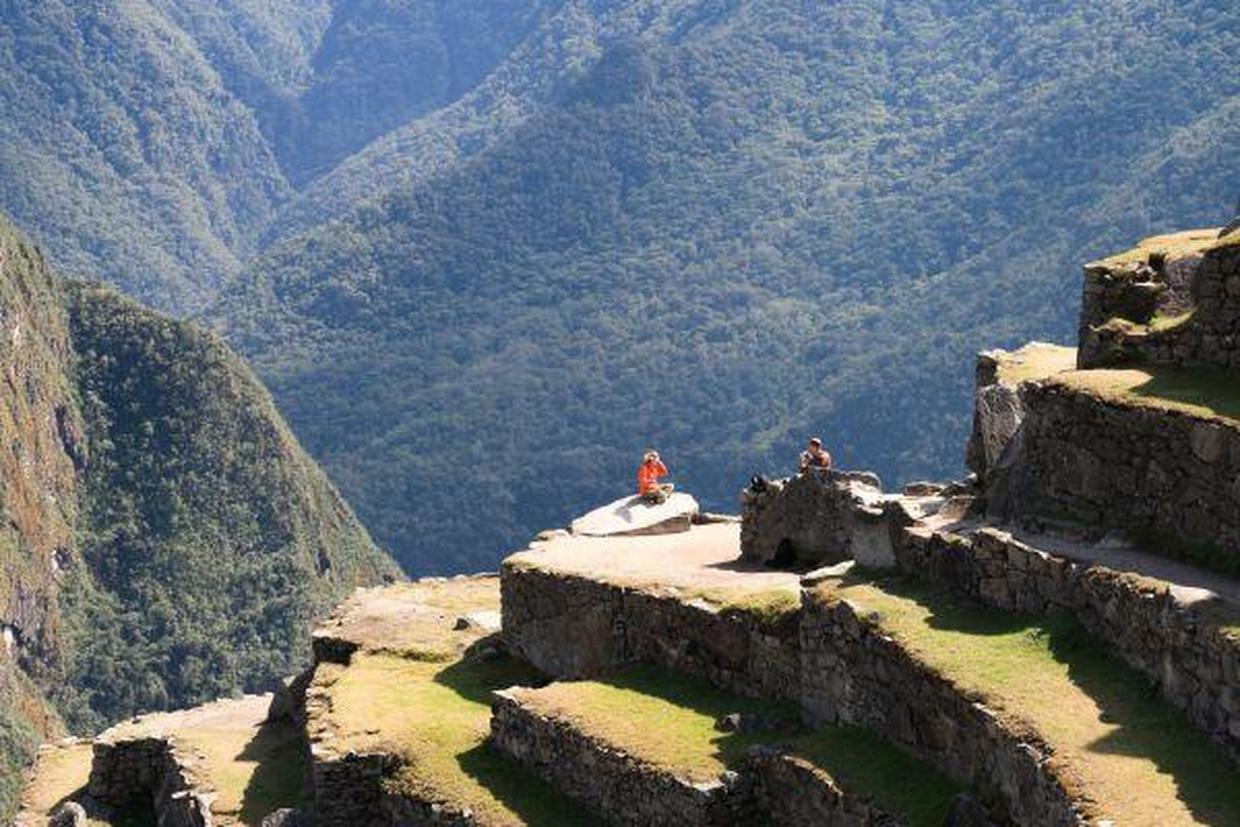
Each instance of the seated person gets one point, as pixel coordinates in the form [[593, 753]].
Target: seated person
[[648, 485], [815, 458]]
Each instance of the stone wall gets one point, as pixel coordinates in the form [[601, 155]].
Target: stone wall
[[1193, 663], [789, 790], [1120, 300], [810, 518], [148, 769], [622, 789], [573, 627], [1154, 474], [769, 787], [854, 673]]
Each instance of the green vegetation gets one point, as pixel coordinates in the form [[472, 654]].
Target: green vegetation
[[1035, 362], [438, 718], [568, 230], [166, 540], [668, 720], [1134, 756], [1207, 392], [726, 227]]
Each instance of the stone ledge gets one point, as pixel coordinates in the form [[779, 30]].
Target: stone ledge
[[128, 770], [769, 786]]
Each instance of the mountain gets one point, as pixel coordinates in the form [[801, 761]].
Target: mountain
[[484, 252], [166, 540], [735, 225]]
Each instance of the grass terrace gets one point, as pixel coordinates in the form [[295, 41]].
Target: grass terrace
[[437, 717], [1133, 758], [1036, 360], [668, 721], [1211, 393]]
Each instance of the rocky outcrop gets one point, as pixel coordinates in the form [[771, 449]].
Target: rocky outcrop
[[634, 517], [814, 517], [997, 414]]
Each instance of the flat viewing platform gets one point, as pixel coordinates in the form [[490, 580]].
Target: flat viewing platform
[[704, 561]]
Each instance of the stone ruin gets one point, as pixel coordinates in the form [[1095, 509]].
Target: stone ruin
[[1168, 308]]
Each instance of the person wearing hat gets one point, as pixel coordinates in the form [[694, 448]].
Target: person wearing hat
[[648, 485], [815, 458]]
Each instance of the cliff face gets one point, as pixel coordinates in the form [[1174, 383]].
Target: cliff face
[[165, 538]]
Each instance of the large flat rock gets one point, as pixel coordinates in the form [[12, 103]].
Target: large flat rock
[[629, 516]]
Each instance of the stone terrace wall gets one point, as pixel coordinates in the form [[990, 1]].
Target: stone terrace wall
[[1194, 664], [770, 787], [1153, 474], [854, 673], [790, 790], [622, 789], [143, 770], [573, 627], [1134, 291], [810, 517]]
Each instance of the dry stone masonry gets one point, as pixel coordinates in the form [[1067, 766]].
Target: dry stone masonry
[[1201, 293]]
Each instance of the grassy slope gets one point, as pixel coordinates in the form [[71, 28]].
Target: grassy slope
[[1134, 757], [721, 243], [412, 691], [669, 721]]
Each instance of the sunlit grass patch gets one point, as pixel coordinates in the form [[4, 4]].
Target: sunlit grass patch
[[669, 721], [1037, 360], [1135, 757], [1207, 392], [437, 718]]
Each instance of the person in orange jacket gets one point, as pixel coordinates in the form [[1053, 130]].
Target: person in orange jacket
[[648, 485]]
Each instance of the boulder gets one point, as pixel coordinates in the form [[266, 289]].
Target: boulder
[[631, 516]]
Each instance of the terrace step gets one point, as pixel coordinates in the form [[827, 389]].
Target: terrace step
[[1176, 623], [644, 747], [1064, 729], [397, 714]]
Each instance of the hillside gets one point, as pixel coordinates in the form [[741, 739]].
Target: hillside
[[166, 540], [509, 244], [740, 225]]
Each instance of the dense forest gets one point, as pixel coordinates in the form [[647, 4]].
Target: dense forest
[[166, 539], [485, 252]]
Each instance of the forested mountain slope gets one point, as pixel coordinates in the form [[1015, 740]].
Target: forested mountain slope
[[567, 228], [165, 539], [772, 220]]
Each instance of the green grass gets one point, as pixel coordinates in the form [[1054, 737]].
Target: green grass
[[767, 606], [861, 761], [1135, 757], [438, 719], [668, 720], [1035, 361], [1212, 393], [253, 771]]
